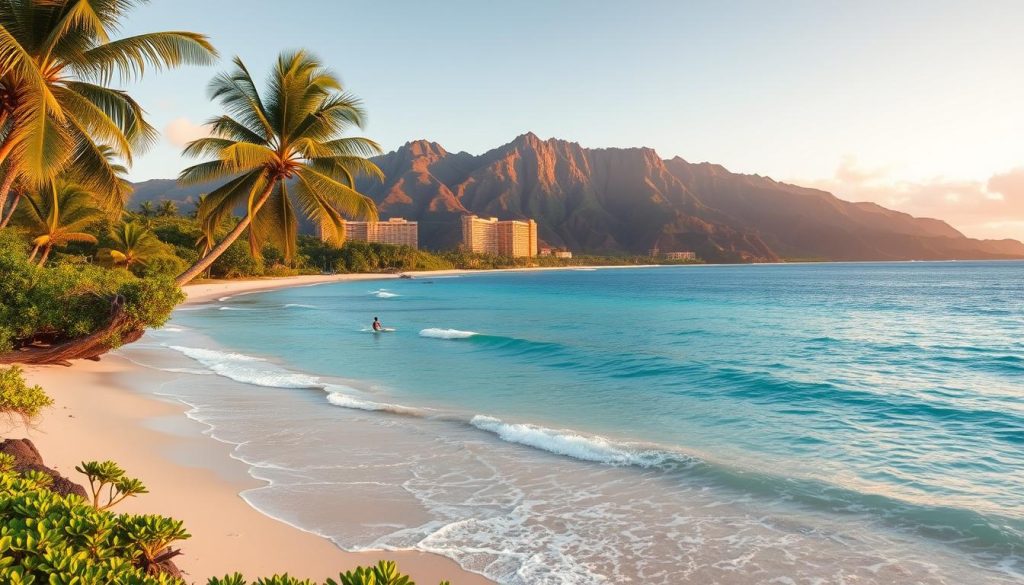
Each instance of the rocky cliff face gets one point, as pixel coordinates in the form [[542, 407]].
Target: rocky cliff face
[[629, 200]]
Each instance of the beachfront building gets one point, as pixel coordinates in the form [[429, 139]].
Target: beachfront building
[[680, 255], [544, 251], [514, 238], [564, 254], [395, 231]]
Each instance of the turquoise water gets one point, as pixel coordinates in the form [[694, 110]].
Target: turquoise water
[[806, 423]]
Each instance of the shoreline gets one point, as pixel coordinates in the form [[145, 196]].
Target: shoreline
[[207, 291], [101, 412]]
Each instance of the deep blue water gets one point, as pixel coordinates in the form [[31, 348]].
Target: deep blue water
[[874, 406]]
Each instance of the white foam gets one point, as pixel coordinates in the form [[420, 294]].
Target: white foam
[[298, 306], [222, 299], [446, 333], [234, 309], [172, 329], [346, 401], [248, 369], [383, 293], [568, 443]]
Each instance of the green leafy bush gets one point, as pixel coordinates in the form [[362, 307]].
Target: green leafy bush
[[384, 573], [65, 540], [18, 397], [48, 538], [68, 301]]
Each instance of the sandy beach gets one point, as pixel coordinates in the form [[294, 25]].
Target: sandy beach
[[101, 413]]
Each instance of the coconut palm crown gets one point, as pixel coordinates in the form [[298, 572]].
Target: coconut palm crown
[[56, 218], [133, 244], [57, 109], [281, 153]]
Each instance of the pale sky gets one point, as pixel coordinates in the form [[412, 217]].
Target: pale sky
[[916, 105]]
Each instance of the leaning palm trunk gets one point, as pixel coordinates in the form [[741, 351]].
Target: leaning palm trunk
[[5, 189], [204, 263], [46, 255], [10, 212]]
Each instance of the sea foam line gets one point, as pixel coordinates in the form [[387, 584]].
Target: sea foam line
[[248, 369]]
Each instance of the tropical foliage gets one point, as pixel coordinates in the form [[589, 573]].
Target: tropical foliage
[[108, 484], [57, 216], [282, 153], [383, 573], [133, 246], [51, 306], [17, 397], [49, 538], [57, 109]]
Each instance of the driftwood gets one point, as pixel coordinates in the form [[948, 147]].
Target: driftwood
[[119, 330]]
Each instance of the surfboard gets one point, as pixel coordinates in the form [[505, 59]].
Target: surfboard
[[383, 330]]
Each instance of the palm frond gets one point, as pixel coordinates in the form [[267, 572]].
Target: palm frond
[[237, 92], [123, 111], [219, 203], [205, 172], [130, 56], [341, 197]]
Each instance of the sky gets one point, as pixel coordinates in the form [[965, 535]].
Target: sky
[[918, 106]]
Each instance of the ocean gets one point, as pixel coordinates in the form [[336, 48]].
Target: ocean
[[806, 423]]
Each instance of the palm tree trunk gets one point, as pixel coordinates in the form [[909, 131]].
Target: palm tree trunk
[[35, 250], [5, 188], [46, 254], [10, 214], [203, 263]]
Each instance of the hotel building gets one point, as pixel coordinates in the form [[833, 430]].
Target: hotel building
[[395, 231], [681, 255], [513, 238]]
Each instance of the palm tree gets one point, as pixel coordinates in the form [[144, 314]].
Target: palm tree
[[281, 151], [167, 208], [56, 107], [133, 244], [146, 209], [58, 216], [74, 175]]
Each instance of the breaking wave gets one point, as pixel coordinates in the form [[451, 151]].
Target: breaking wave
[[570, 444], [438, 333], [248, 369]]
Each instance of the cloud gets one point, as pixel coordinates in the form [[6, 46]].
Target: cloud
[[181, 131], [992, 208]]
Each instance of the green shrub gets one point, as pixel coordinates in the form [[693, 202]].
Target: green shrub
[[64, 540], [384, 573], [49, 538], [68, 301], [19, 398]]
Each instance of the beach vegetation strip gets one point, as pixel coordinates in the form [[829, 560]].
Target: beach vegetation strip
[[51, 537]]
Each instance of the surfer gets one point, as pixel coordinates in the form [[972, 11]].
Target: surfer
[[376, 324]]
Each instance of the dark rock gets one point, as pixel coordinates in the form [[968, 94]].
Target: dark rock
[[61, 485], [23, 451], [27, 458]]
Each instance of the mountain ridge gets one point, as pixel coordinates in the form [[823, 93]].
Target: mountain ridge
[[630, 200]]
